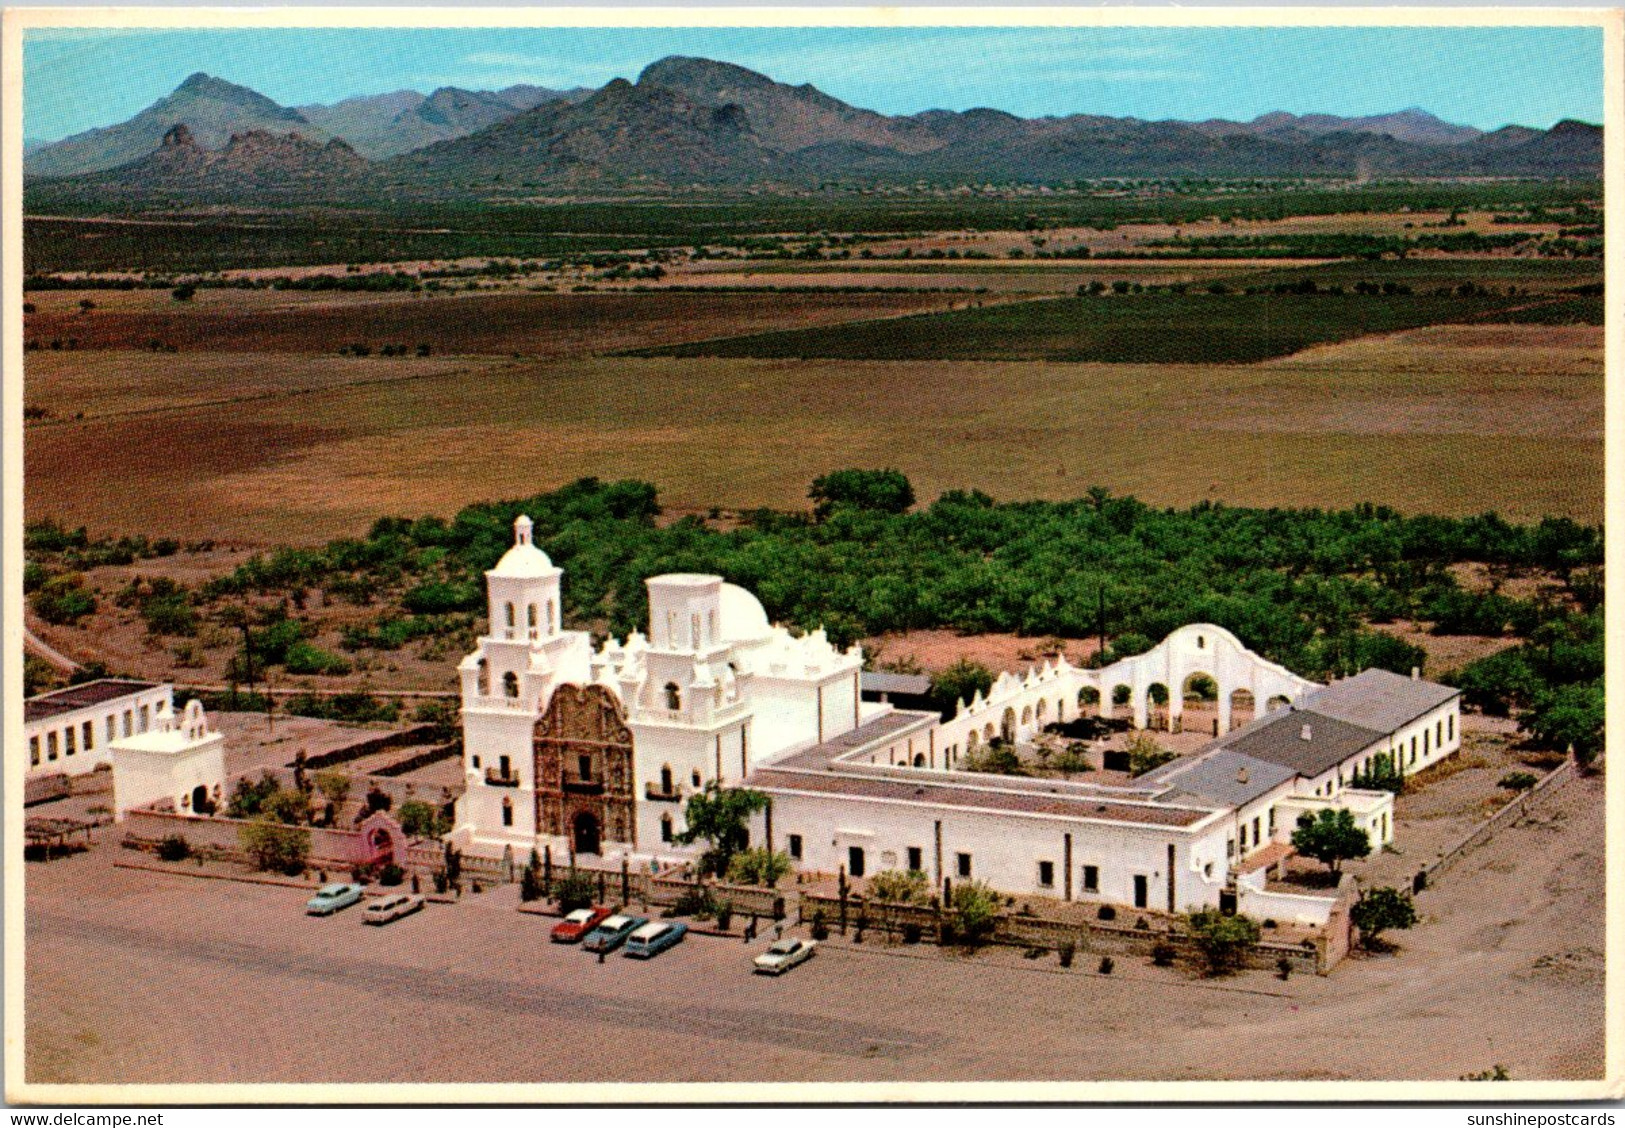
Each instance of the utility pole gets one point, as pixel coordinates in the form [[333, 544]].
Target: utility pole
[[1100, 617]]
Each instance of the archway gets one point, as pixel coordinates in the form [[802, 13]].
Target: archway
[[919, 759], [1007, 728], [1157, 711], [1026, 716], [381, 846], [987, 733], [1277, 703], [1196, 707], [200, 801], [585, 833], [1089, 695], [972, 741], [1243, 707]]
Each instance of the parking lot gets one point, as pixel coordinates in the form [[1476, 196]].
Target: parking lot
[[141, 976]]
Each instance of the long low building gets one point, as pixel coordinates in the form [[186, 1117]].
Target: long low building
[[72, 730]]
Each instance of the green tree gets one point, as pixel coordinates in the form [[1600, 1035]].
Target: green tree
[[421, 820], [1223, 938], [961, 681], [287, 805], [575, 890], [333, 784], [886, 491], [275, 847], [1380, 775], [1568, 716], [1144, 754], [1380, 910], [758, 866], [721, 816], [1330, 837]]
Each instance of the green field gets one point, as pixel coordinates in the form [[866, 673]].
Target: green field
[[1541, 275], [1130, 328]]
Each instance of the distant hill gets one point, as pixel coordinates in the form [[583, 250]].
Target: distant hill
[[248, 162], [376, 126], [388, 124], [211, 108], [697, 121]]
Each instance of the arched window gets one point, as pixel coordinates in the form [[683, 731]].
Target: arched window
[[510, 621], [510, 684], [674, 697], [552, 620], [482, 680], [665, 828], [665, 779], [530, 618], [507, 812]]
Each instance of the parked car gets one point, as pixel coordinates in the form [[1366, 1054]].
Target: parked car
[[329, 899], [577, 924], [392, 907], [654, 938], [612, 932], [782, 955]]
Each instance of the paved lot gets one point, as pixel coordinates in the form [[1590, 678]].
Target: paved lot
[[138, 976]]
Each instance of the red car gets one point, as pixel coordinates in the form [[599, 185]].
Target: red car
[[572, 928]]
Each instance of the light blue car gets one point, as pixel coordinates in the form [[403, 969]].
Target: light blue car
[[654, 938], [329, 899]]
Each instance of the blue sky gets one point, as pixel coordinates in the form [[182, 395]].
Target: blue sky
[[1487, 77]]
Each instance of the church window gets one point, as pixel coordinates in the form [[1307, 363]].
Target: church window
[[696, 777], [711, 627], [68, 747], [665, 779], [552, 621], [510, 684], [507, 812], [33, 750], [694, 630], [584, 767], [530, 617], [510, 616], [665, 828], [89, 736], [795, 847], [674, 697], [483, 680]]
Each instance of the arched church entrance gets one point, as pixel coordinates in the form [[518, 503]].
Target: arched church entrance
[[585, 833]]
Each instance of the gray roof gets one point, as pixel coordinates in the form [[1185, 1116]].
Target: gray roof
[[881, 681], [1220, 775], [46, 705], [1279, 739], [1378, 700]]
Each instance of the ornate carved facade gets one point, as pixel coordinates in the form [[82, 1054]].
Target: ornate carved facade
[[584, 769]]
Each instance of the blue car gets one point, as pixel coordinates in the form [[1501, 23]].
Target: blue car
[[654, 938], [612, 933], [329, 899]]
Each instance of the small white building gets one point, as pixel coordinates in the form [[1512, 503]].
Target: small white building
[[178, 761], [72, 730]]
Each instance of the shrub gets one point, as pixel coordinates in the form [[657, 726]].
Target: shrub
[[1106, 912], [1284, 967], [912, 933], [1163, 954], [1379, 910], [1106, 965], [1066, 952], [391, 874], [248, 798], [900, 887], [758, 866], [1222, 938], [274, 847], [174, 848], [63, 600], [695, 901], [977, 908], [1518, 781], [820, 925], [725, 915], [304, 658], [334, 784], [575, 890]]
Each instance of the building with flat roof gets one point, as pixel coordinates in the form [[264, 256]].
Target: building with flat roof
[[71, 730]]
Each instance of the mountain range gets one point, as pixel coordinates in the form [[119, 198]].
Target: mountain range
[[698, 121]]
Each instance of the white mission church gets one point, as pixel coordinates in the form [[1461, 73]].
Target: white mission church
[[592, 753]]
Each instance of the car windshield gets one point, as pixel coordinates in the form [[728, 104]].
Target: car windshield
[[783, 947]]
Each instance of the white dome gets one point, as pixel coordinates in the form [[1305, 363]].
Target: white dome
[[743, 619], [524, 561]]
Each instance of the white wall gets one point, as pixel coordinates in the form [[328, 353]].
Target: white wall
[[141, 777], [142, 707], [1005, 848]]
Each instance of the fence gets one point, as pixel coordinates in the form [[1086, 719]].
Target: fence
[[401, 738], [1098, 937], [421, 760], [1504, 818]]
